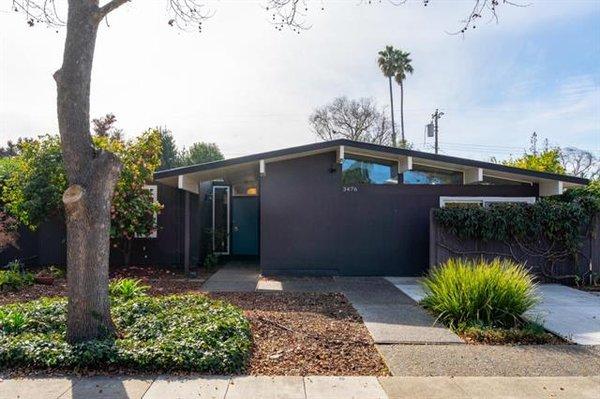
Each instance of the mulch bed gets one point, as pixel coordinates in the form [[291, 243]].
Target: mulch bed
[[507, 337], [293, 333], [162, 281], [307, 334]]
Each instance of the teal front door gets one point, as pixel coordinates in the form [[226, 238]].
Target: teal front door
[[244, 223]]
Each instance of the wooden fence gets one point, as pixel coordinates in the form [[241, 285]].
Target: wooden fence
[[444, 245]]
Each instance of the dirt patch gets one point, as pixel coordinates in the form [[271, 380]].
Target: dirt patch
[[162, 281], [307, 334]]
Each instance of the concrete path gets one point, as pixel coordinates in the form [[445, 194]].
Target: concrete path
[[567, 312], [491, 360], [233, 277], [312, 387], [391, 316]]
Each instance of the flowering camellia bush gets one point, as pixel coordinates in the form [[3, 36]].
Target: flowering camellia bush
[[32, 189]]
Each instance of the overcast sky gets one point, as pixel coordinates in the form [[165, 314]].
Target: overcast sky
[[249, 88]]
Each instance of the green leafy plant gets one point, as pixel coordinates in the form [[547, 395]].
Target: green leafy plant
[[14, 277], [211, 261], [127, 288], [12, 321], [57, 271], [33, 184], [491, 293], [552, 229], [168, 333]]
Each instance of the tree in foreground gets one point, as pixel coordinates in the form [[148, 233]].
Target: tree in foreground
[[93, 172], [358, 120]]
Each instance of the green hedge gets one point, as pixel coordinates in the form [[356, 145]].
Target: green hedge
[[180, 332]]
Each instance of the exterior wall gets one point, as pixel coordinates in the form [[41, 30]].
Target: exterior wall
[[310, 225], [47, 246], [444, 245]]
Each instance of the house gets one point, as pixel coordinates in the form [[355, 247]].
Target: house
[[330, 208]]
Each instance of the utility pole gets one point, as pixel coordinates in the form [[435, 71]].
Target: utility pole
[[436, 117]]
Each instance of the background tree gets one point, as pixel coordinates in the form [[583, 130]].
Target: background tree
[[105, 127], [544, 160], [170, 154], [387, 63], [358, 120], [92, 173], [403, 67], [580, 163], [397, 64], [200, 153]]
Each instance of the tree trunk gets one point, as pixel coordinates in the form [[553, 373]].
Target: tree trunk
[[92, 178], [392, 109], [402, 113]]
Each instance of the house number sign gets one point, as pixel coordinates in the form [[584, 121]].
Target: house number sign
[[349, 189]]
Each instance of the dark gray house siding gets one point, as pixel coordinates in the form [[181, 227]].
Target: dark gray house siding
[[47, 245], [309, 225]]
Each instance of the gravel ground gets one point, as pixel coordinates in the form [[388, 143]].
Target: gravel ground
[[486, 360], [307, 334]]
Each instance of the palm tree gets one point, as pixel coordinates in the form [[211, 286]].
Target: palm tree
[[395, 63], [403, 67], [387, 63]]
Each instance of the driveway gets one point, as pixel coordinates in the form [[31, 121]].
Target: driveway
[[569, 313]]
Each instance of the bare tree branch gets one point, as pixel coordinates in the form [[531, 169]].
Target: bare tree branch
[[110, 6], [41, 11]]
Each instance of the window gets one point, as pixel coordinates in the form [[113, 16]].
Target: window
[[360, 171], [428, 175], [220, 219], [154, 191], [467, 202], [244, 189], [490, 180]]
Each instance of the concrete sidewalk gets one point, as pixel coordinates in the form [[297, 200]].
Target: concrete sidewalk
[[312, 387]]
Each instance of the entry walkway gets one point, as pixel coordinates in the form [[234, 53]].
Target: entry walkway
[[233, 277], [569, 313], [292, 387]]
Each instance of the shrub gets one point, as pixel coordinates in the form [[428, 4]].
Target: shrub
[[180, 332], [14, 277], [211, 261], [493, 293], [127, 288]]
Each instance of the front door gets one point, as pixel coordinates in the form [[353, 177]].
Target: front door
[[244, 238]]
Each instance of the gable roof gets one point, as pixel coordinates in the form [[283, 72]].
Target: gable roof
[[375, 148]]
